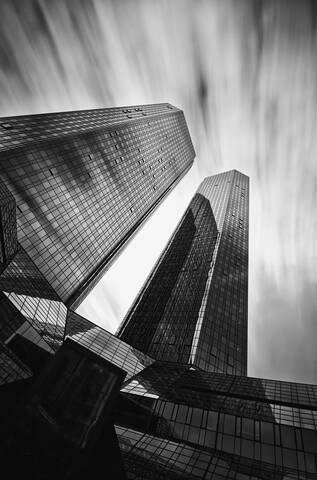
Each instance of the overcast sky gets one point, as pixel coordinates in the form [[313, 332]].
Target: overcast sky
[[245, 74]]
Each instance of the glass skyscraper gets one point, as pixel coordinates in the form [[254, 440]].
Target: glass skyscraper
[[84, 182], [193, 307], [74, 188]]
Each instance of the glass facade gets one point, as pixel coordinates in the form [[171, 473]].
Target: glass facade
[[85, 181], [193, 307], [106, 345], [33, 318], [188, 423], [8, 229], [34, 300]]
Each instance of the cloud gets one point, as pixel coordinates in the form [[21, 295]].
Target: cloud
[[284, 337]]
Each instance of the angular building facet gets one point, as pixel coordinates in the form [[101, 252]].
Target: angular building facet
[[107, 346], [84, 182], [193, 307], [32, 316]]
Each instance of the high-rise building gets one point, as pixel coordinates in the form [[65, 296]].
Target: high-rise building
[[193, 307], [74, 188], [84, 182]]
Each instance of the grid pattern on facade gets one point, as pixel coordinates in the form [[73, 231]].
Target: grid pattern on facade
[[193, 307], [163, 322], [80, 197], [25, 129], [34, 303], [153, 457], [282, 401], [249, 420], [8, 230], [223, 340], [106, 345], [13, 323]]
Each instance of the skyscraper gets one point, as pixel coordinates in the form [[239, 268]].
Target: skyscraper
[[74, 188], [84, 182], [193, 307]]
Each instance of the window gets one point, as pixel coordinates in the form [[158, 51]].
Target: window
[[288, 437], [197, 416], [267, 435], [247, 428], [212, 420], [229, 424], [181, 413], [309, 440]]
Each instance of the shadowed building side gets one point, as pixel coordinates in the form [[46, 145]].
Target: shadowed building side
[[162, 322], [193, 307], [8, 228], [222, 331]]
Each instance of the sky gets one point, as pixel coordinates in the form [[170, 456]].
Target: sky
[[244, 73]]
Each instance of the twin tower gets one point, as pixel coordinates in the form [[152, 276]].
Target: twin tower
[[76, 187], [167, 397]]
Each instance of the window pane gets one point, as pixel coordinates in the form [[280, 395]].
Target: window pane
[[267, 433], [288, 437], [229, 426], [247, 428], [310, 441], [196, 417], [212, 420]]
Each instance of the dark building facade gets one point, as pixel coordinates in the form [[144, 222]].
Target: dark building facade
[[58, 423], [84, 182], [193, 307], [32, 317], [74, 188], [176, 422], [8, 231]]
